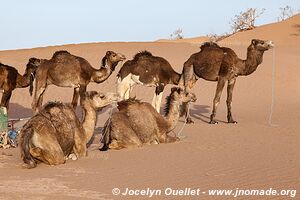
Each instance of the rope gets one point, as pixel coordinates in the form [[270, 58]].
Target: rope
[[273, 91], [179, 134]]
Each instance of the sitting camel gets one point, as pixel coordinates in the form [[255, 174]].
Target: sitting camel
[[56, 132], [148, 70], [221, 64], [137, 123], [67, 70], [10, 79]]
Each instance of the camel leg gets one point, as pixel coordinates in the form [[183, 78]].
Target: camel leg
[[220, 86], [124, 87], [156, 102], [128, 91], [82, 90], [117, 145], [164, 138], [47, 149], [38, 95], [230, 87], [75, 98], [188, 73], [5, 99]]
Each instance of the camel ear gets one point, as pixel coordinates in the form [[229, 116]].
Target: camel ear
[[254, 42], [173, 89], [108, 53]]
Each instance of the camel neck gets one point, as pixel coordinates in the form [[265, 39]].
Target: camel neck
[[23, 81], [173, 114], [104, 72], [89, 121], [254, 58], [175, 78]]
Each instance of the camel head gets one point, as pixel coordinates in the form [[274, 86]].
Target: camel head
[[261, 45], [178, 94], [98, 100], [31, 68], [112, 59]]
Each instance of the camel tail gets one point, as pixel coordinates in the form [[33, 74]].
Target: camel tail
[[26, 135], [106, 136]]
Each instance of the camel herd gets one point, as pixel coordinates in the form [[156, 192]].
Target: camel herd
[[55, 134]]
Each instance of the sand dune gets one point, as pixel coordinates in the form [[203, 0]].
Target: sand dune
[[285, 33], [250, 155]]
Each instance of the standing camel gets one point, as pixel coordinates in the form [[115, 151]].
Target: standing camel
[[137, 123], [151, 71], [221, 64], [55, 132], [10, 79], [67, 70]]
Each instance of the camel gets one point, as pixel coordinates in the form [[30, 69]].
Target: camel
[[221, 64], [10, 79], [55, 133], [137, 123], [67, 70], [151, 71]]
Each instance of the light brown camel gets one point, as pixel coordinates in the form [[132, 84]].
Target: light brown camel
[[151, 71], [55, 133], [137, 123], [10, 79], [67, 70], [221, 64]]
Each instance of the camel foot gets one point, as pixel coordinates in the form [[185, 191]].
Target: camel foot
[[189, 120], [232, 122], [213, 122], [72, 156]]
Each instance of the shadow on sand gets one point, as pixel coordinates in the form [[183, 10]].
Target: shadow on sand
[[297, 27], [202, 112], [17, 111]]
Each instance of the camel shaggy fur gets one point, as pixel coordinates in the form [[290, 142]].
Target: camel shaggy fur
[[55, 132], [137, 123]]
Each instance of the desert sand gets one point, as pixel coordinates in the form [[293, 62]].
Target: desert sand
[[253, 154]]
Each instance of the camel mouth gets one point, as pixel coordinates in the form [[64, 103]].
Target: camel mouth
[[270, 44], [122, 57], [194, 99]]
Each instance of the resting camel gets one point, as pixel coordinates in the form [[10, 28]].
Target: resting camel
[[221, 64], [137, 123], [56, 133], [10, 79], [67, 70], [151, 71]]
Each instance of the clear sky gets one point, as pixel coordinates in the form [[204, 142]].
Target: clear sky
[[34, 23]]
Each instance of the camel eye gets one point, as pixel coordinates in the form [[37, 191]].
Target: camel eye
[[101, 96]]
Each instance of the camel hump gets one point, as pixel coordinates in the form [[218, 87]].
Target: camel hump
[[61, 52], [122, 105], [142, 53], [209, 44]]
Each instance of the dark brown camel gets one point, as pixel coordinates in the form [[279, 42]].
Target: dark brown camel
[[151, 71], [10, 79], [55, 133], [221, 64], [67, 70], [137, 123]]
